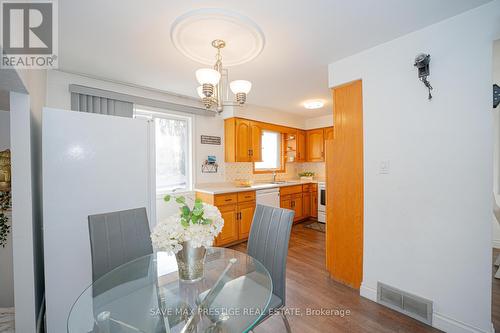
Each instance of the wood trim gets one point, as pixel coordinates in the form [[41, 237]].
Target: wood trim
[[344, 233], [230, 140], [282, 168]]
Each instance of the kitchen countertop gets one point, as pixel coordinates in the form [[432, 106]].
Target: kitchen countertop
[[221, 188]]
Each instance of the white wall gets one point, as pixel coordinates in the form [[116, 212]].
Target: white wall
[[35, 82], [269, 115], [6, 277], [23, 226], [427, 224], [4, 130], [496, 143], [317, 122]]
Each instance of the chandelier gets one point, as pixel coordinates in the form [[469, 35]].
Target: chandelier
[[213, 84]]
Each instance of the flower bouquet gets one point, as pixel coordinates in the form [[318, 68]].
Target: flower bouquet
[[187, 235]]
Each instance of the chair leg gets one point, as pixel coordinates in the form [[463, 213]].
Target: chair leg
[[285, 321]]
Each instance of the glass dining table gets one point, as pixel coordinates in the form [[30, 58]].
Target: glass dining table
[[146, 295]]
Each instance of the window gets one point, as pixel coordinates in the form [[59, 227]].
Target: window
[[271, 152], [172, 149]]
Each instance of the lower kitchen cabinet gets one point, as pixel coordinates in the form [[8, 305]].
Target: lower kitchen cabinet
[[237, 210], [229, 232], [302, 199], [245, 213], [314, 204], [306, 200], [298, 207]]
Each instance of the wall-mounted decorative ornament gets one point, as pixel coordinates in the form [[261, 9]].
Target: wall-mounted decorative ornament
[[5, 195], [211, 140], [422, 61], [5, 170], [210, 165], [496, 95]]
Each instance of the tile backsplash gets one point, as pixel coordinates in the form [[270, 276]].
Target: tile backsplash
[[234, 171]]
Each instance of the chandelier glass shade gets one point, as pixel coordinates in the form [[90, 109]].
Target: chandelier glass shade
[[213, 83]]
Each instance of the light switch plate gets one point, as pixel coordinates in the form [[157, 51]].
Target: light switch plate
[[385, 167]]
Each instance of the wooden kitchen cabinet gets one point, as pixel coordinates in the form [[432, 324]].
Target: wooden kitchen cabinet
[[306, 202], [229, 232], [314, 204], [301, 146], [291, 198], [286, 201], [315, 145], [245, 217], [242, 140], [329, 133], [237, 210], [298, 207], [255, 142]]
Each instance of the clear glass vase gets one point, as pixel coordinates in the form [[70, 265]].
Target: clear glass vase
[[191, 262]]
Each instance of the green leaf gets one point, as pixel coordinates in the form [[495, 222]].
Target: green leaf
[[180, 200], [195, 219], [207, 221], [185, 211], [184, 223], [167, 198], [198, 211], [198, 203]]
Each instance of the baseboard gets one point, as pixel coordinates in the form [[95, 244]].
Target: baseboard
[[439, 321], [496, 243], [368, 292], [448, 324]]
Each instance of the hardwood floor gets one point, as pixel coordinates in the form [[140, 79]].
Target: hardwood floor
[[495, 293], [308, 286]]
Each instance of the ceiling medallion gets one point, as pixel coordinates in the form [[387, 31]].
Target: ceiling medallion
[[197, 33], [193, 32]]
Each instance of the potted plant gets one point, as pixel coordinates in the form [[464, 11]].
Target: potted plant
[[187, 235], [306, 175]]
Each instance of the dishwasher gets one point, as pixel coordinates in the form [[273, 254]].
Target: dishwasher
[[268, 197]]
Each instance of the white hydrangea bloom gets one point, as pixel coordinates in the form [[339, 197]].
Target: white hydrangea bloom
[[169, 234]]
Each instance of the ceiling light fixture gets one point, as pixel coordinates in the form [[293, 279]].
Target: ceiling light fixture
[[213, 83], [313, 104]]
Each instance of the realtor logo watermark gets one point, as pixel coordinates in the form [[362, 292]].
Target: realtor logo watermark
[[29, 34]]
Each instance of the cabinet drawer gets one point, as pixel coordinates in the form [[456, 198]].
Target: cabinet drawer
[[246, 196], [309, 187], [224, 199], [290, 189]]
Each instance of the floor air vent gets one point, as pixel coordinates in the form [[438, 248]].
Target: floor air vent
[[408, 304]]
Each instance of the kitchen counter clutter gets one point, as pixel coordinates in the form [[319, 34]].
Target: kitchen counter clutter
[[237, 204]]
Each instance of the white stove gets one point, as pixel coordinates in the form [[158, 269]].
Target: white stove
[[322, 202]]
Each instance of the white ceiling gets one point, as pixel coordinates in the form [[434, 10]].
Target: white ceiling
[[129, 41]]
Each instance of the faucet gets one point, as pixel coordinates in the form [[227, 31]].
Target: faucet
[[274, 176]]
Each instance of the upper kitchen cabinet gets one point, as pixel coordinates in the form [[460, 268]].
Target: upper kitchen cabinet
[[329, 133], [242, 140], [301, 146], [315, 145]]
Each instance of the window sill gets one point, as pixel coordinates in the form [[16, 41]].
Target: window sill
[[161, 195]]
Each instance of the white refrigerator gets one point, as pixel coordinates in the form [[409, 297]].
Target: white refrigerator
[[91, 164]]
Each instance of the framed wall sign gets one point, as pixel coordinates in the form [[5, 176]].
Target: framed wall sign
[[211, 140]]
